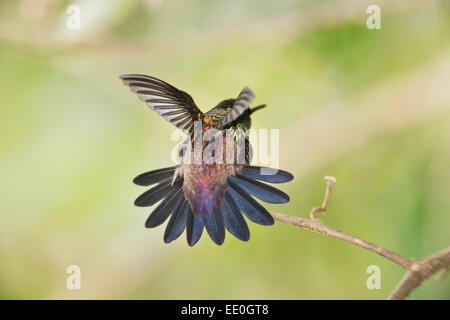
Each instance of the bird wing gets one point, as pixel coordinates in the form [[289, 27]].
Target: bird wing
[[242, 103], [174, 105]]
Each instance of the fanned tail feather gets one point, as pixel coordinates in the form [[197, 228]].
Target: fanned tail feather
[[215, 212], [155, 176], [277, 176], [164, 209], [194, 228], [214, 225], [234, 221], [252, 209], [157, 193], [177, 222], [260, 190]]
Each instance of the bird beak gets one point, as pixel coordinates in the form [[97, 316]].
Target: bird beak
[[257, 108]]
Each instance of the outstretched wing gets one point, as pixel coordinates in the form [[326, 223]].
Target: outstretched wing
[[241, 104], [174, 105]]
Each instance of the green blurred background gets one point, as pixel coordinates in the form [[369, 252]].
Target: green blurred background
[[371, 107]]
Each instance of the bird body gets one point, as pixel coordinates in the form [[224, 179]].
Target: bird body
[[212, 187]]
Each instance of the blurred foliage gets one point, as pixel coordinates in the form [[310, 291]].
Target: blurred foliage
[[73, 138]]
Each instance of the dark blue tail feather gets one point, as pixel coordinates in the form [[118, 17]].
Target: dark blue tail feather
[[194, 228], [214, 225], [165, 208], [177, 222], [272, 176], [252, 209], [260, 190], [155, 194], [155, 176], [233, 219]]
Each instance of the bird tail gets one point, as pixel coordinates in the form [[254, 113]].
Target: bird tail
[[233, 202]]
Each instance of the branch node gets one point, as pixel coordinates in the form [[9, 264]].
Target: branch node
[[323, 208], [415, 267]]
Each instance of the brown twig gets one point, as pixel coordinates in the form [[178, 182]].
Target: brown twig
[[418, 270], [323, 208]]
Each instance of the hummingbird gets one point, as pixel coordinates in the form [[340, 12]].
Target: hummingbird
[[199, 193]]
